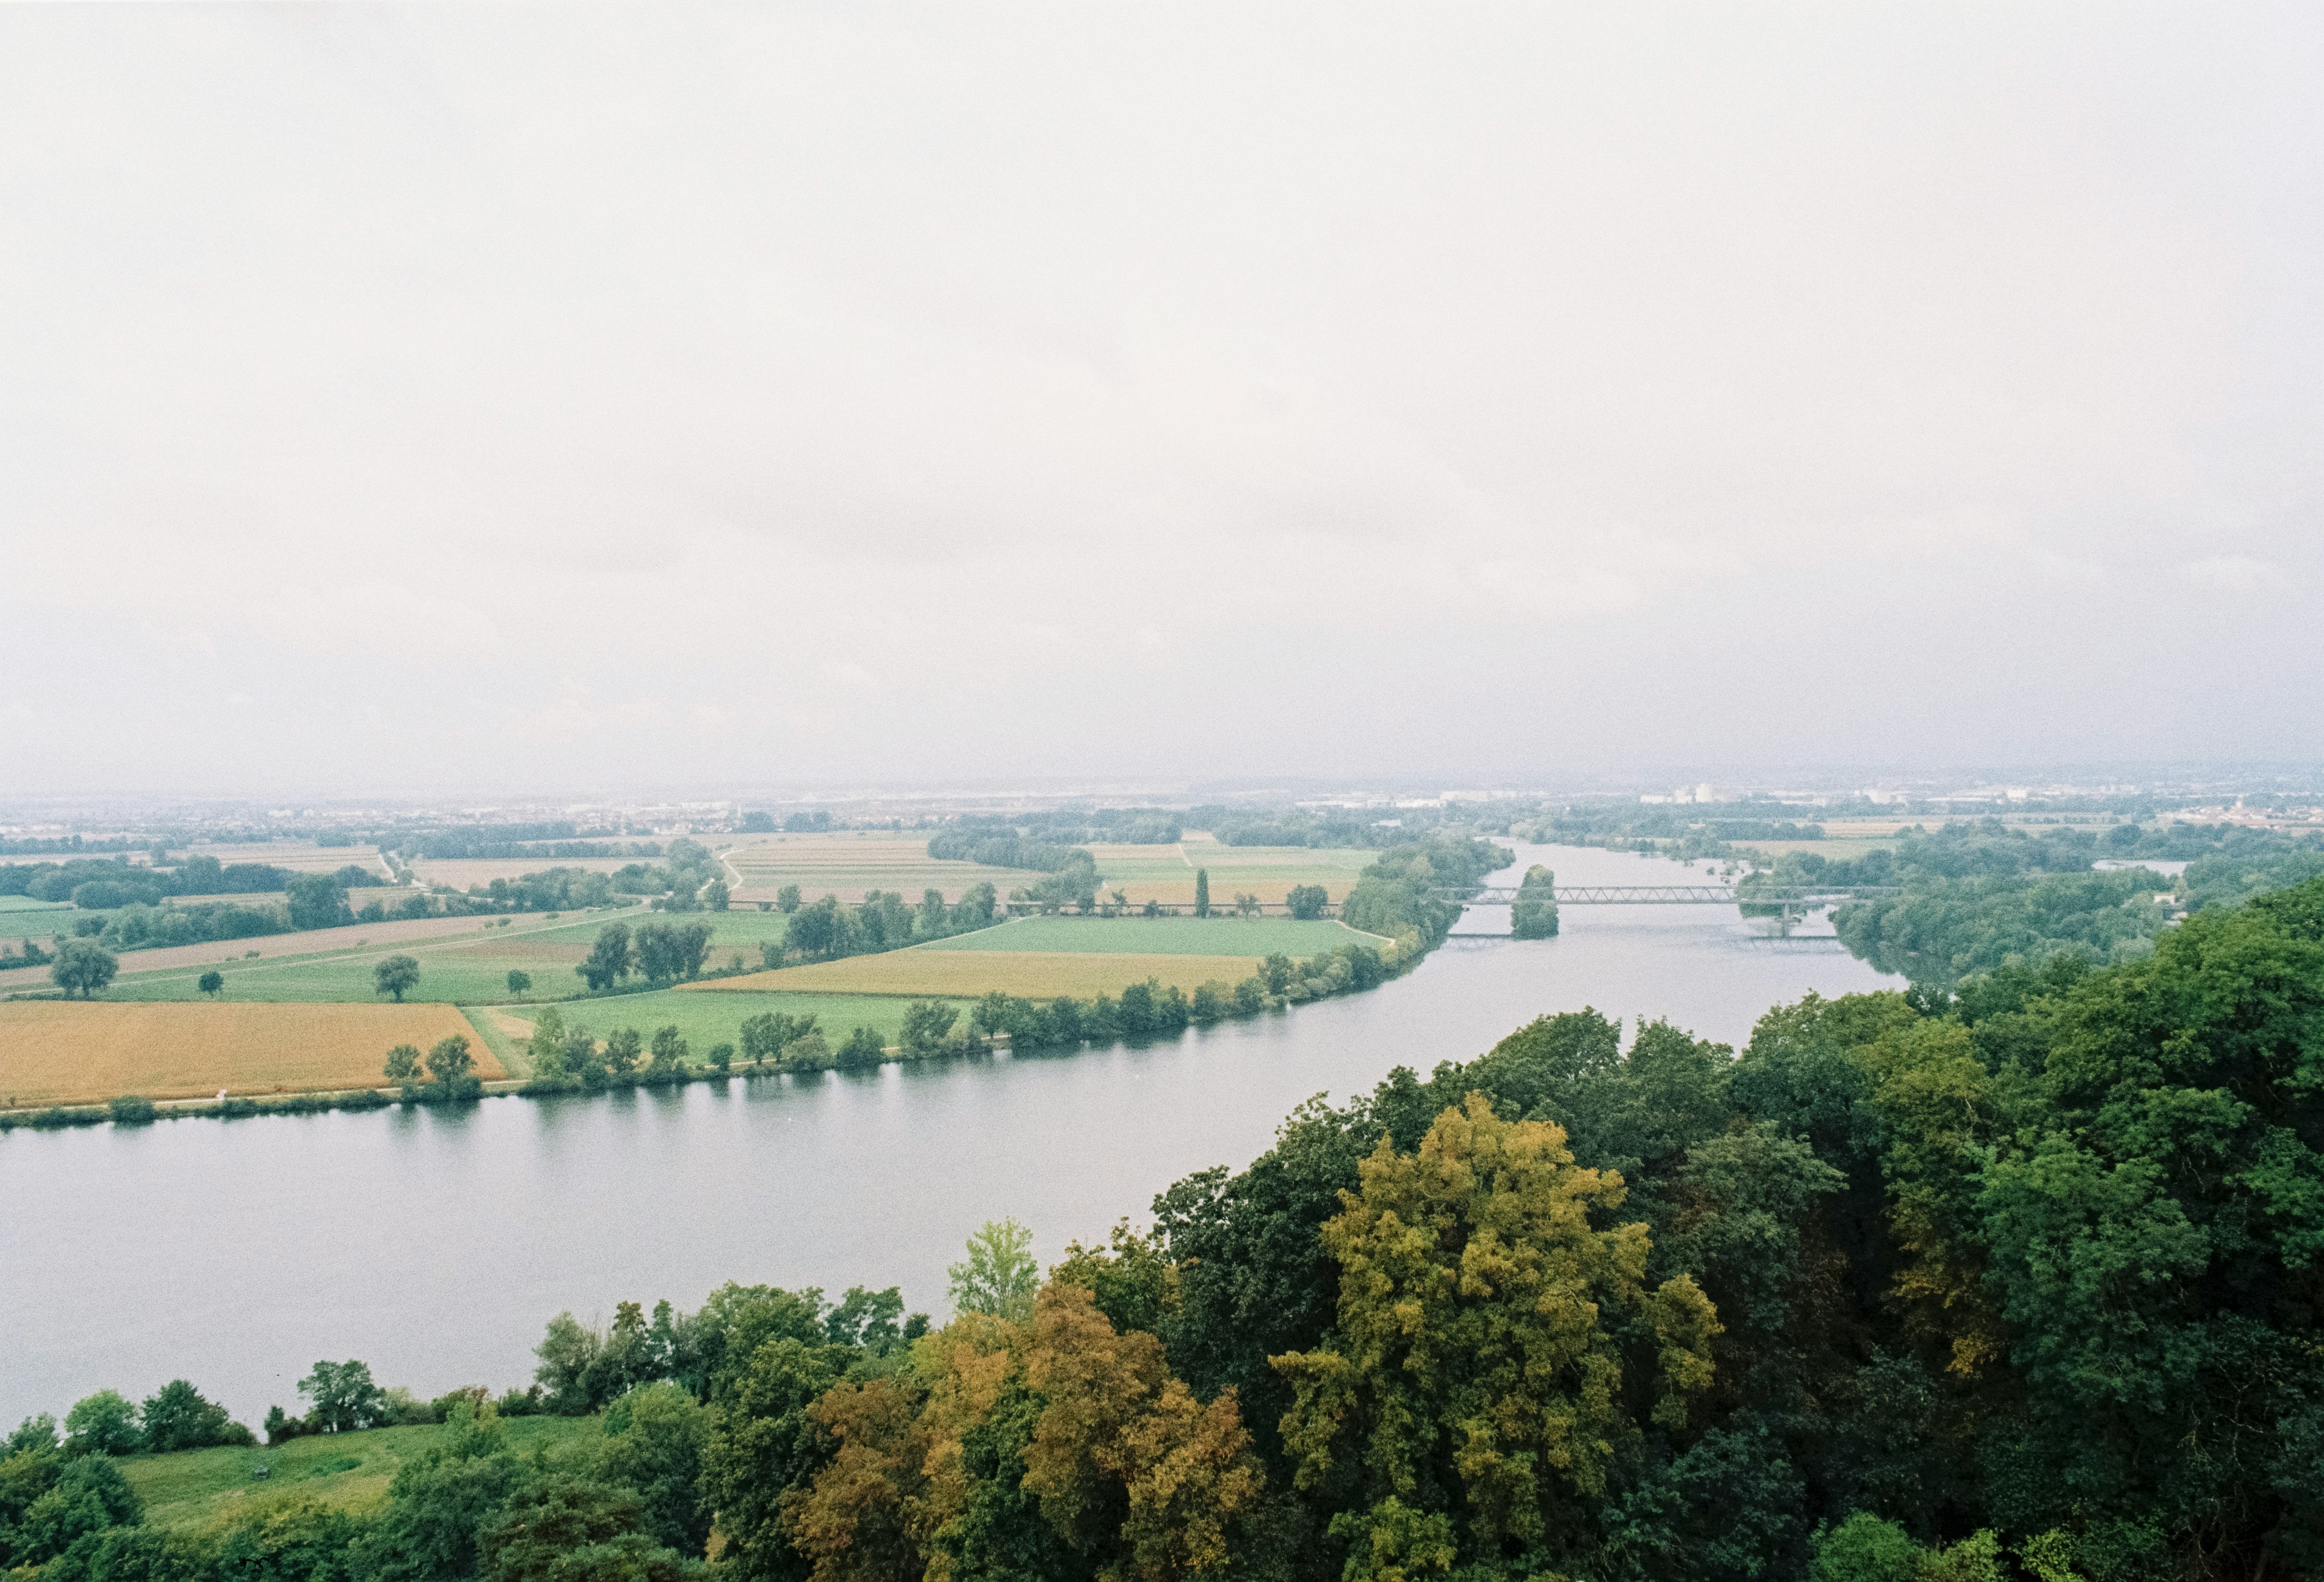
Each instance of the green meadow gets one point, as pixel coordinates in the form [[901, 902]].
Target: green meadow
[[701, 1019], [190, 1488]]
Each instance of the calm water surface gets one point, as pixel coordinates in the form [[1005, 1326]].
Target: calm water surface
[[435, 1245]]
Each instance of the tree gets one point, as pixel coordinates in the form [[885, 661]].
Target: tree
[[1534, 913], [861, 1050], [344, 1397], [762, 1448], [786, 899], [402, 1065], [999, 1275], [315, 900], [1246, 904], [397, 975], [103, 1424], [449, 1062], [1307, 901], [211, 982], [178, 1418], [518, 981], [1474, 1383], [609, 959], [668, 1050], [621, 1051], [715, 896], [1202, 892], [926, 1023], [83, 966]]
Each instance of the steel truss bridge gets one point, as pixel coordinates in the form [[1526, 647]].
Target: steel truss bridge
[[1790, 896]]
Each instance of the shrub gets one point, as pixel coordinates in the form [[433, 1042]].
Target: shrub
[[130, 1110]]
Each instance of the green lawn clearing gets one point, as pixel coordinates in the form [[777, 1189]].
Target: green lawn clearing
[[1161, 936]]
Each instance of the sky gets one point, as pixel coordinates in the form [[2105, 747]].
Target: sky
[[546, 397]]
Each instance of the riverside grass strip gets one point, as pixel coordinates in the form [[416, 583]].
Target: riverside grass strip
[[927, 974], [1162, 936], [65, 1052]]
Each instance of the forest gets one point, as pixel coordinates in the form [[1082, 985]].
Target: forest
[[2019, 1280]]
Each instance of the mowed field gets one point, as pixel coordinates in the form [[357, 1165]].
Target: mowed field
[[26, 904], [701, 1019], [966, 974], [170, 973], [848, 862], [61, 1052], [1161, 936]]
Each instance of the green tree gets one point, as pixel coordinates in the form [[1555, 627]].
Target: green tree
[[621, 1051], [103, 1424], [668, 1050], [1534, 913], [1202, 892], [519, 982], [1307, 901], [449, 1062], [397, 975], [402, 1065], [609, 959], [715, 896], [722, 1058], [926, 1023], [317, 900], [178, 1418], [999, 1275], [211, 982], [786, 899], [344, 1396], [862, 1049], [654, 1440], [763, 1447], [83, 967]]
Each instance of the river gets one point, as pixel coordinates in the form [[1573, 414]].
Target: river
[[436, 1244]]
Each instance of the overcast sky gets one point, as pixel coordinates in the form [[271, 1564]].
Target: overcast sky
[[402, 399]]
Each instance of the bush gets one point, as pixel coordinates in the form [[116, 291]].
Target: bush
[[130, 1110], [862, 1049]]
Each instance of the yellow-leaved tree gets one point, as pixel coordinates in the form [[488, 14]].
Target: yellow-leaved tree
[[1474, 1376]]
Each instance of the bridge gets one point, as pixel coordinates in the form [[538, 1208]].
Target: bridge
[[1789, 896]]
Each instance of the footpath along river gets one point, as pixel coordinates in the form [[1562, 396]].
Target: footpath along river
[[435, 1245]]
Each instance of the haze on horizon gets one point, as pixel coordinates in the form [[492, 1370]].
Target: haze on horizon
[[407, 397]]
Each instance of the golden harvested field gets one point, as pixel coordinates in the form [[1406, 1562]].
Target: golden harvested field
[[314, 941], [848, 862], [967, 974], [58, 1052]]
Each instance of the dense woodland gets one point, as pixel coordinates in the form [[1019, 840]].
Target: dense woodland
[[2019, 1280]]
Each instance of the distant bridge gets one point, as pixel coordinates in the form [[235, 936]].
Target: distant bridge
[[1786, 895]]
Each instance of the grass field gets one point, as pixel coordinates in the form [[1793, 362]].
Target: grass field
[[193, 1488], [181, 964], [705, 1019], [848, 862], [60, 1051], [471, 968], [965, 974], [1161, 936], [24, 904]]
